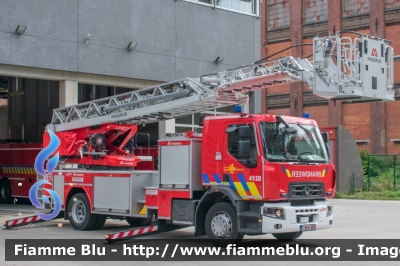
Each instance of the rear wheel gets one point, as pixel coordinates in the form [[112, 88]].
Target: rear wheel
[[288, 236], [101, 220], [79, 213], [135, 222], [5, 191], [221, 224]]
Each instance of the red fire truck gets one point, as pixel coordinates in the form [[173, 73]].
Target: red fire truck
[[246, 174], [16, 169]]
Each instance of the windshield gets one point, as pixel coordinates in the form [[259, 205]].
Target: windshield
[[301, 143]]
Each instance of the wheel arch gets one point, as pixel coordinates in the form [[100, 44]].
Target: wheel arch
[[214, 195], [4, 179]]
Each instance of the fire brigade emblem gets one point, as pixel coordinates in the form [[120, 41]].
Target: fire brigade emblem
[[39, 167], [231, 169]]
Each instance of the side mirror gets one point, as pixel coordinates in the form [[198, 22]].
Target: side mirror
[[328, 150], [325, 136], [244, 132], [244, 149]]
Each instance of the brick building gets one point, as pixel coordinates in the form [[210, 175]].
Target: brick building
[[375, 126]]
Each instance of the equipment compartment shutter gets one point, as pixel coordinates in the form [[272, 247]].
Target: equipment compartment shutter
[[175, 165], [111, 193]]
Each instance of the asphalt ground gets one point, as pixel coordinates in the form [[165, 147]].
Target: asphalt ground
[[353, 219]]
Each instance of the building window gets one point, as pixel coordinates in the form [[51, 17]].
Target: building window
[[315, 11], [241, 6], [90, 92], [4, 89], [355, 7], [245, 6], [188, 123], [392, 4], [191, 122], [278, 14]]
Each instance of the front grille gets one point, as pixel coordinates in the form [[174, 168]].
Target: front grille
[[306, 190]]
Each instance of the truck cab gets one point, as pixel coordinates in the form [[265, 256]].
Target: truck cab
[[275, 171]]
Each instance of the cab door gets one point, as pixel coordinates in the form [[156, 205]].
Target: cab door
[[242, 168]]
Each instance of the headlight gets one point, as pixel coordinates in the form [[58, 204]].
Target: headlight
[[274, 213], [330, 210]]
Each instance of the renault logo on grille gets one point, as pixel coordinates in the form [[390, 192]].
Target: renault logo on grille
[[307, 190]]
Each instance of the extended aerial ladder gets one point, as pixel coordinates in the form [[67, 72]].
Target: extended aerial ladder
[[343, 68]]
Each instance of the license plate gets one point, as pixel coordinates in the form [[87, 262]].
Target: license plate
[[308, 227]]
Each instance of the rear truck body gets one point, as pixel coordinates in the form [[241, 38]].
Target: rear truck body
[[17, 172], [244, 175]]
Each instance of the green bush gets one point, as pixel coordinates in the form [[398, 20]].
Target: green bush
[[380, 172], [381, 177], [364, 161], [378, 164]]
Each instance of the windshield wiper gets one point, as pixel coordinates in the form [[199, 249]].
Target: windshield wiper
[[291, 158], [310, 160], [314, 161], [282, 160]]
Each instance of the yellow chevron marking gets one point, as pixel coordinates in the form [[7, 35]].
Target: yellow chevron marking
[[240, 189], [288, 173], [253, 189], [143, 211]]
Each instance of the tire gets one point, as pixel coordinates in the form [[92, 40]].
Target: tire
[[101, 220], [136, 222], [5, 191], [79, 214], [288, 236], [221, 224]]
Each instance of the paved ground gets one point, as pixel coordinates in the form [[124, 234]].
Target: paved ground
[[353, 219]]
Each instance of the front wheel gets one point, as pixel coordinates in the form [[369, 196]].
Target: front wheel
[[5, 191], [222, 225], [288, 236], [79, 213]]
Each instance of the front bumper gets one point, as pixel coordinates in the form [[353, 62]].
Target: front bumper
[[296, 217]]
